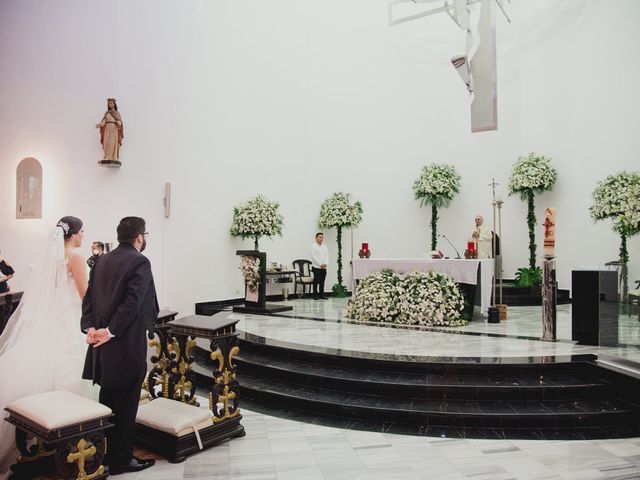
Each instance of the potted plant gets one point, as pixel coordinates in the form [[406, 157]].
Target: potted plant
[[618, 198], [437, 185], [530, 175], [336, 211]]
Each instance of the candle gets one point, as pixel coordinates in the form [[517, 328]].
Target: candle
[[471, 246], [365, 247]]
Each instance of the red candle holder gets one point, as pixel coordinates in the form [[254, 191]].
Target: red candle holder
[[471, 251], [364, 251]]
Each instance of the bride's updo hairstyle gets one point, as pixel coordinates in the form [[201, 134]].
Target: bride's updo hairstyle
[[70, 226]]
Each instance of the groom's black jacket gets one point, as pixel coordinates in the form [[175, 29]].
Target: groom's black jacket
[[122, 297]]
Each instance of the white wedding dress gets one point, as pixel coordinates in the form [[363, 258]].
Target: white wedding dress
[[42, 347]]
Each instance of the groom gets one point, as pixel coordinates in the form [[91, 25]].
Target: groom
[[119, 307]]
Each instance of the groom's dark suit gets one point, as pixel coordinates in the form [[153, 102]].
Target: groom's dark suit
[[121, 297]]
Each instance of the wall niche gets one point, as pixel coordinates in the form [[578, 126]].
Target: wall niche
[[29, 189]]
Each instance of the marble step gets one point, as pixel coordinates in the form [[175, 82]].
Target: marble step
[[519, 365], [420, 429], [548, 386], [594, 412]]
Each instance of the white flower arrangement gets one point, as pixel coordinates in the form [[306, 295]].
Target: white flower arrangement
[[336, 211], [533, 173], [256, 218], [250, 268], [416, 298], [618, 197], [437, 184]]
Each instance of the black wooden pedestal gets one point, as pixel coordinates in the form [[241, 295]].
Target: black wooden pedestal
[[171, 377], [594, 314], [259, 307]]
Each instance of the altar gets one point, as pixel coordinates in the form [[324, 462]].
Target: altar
[[478, 272]]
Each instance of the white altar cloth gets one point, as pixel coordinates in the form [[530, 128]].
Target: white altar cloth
[[461, 270]]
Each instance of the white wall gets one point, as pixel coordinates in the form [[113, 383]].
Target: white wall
[[297, 99]]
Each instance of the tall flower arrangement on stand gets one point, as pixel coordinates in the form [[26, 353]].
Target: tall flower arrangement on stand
[[256, 218], [618, 198], [437, 185], [336, 211], [530, 175]]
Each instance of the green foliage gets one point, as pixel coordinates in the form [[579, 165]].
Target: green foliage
[[528, 277], [339, 291]]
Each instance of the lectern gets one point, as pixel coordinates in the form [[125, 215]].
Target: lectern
[[255, 300]]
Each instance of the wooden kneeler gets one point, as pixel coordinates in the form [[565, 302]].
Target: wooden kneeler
[[177, 430], [171, 423], [69, 430]]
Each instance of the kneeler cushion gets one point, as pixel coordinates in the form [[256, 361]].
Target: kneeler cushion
[[58, 409], [173, 417]]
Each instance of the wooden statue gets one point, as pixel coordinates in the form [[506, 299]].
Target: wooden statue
[[111, 135]]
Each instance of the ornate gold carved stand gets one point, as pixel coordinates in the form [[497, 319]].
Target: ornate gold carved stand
[[172, 377]]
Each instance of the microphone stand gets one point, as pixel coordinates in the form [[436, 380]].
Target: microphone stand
[[452, 245]]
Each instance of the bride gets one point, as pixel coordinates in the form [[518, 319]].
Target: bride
[[42, 347]]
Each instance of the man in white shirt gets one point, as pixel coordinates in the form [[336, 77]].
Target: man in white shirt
[[319, 260]]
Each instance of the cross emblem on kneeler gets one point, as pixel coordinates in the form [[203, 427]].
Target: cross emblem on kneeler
[[80, 457]]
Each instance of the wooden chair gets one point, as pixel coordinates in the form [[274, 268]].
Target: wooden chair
[[304, 275]]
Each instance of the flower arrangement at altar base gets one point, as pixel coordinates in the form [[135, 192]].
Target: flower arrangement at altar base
[[336, 211], [618, 198], [258, 217], [416, 298], [436, 185], [530, 175], [250, 268]]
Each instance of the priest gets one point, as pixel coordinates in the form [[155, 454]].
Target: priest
[[482, 236]]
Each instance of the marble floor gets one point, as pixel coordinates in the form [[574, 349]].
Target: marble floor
[[277, 448], [323, 323]]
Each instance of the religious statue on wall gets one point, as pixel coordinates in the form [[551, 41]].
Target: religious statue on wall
[[111, 135]]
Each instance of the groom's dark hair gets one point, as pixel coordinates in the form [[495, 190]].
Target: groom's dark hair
[[129, 228]]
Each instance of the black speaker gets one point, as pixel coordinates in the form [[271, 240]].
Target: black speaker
[[594, 311]]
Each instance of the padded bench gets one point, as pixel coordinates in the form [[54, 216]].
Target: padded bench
[[176, 430], [69, 430]]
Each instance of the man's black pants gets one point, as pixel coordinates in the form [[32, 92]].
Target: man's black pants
[[123, 401], [319, 274]]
